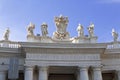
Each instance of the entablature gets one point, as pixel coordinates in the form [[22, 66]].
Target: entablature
[[10, 49], [62, 48]]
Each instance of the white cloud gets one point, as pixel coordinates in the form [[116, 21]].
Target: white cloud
[[110, 1]]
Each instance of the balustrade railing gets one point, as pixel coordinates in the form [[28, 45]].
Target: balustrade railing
[[9, 44], [113, 45]]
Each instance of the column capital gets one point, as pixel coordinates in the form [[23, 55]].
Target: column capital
[[83, 72], [81, 68], [98, 68], [28, 73], [29, 67], [43, 67], [43, 72], [97, 73]]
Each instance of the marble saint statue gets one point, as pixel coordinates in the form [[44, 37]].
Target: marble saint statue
[[80, 30], [91, 30], [30, 29], [44, 30], [115, 35], [6, 34]]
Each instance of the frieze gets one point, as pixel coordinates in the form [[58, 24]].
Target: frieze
[[63, 57], [110, 56], [61, 63], [64, 50], [111, 67]]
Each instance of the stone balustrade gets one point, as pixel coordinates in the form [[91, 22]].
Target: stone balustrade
[[113, 45], [12, 44], [9, 44]]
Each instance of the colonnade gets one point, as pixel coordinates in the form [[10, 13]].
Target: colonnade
[[43, 73], [83, 73], [3, 75]]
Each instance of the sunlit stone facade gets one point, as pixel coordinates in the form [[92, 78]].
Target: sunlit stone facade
[[61, 57]]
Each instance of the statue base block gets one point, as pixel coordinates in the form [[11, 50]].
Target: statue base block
[[116, 45], [85, 40], [62, 40], [30, 38], [93, 39]]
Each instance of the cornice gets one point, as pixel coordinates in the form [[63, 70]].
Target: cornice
[[110, 56], [31, 47], [63, 45], [112, 51], [63, 50], [10, 50]]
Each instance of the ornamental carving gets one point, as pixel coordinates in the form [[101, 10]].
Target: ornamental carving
[[61, 25]]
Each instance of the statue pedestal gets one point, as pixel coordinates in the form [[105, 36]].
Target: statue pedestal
[[93, 39], [116, 45], [85, 40], [30, 38], [80, 40], [46, 39], [5, 44], [61, 40], [43, 39]]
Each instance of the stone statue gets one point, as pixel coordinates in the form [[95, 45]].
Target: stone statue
[[30, 29], [80, 30], [91, 30], [6, 34], [115, 35], [61, 24], [44, 30]]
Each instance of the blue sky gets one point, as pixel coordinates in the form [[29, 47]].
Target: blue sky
[[17, 14]]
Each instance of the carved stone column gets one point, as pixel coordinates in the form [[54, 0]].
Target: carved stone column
[[78, 74], [43, 73], [2, 75], [97, 75], [28, 73], [84, 73], [118, 75]]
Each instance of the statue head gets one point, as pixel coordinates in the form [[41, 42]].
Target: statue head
[[31, 25], [80, 27], [44, 25]]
